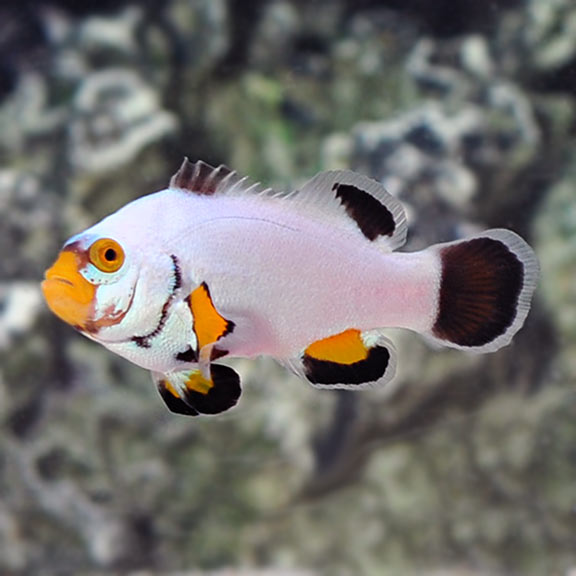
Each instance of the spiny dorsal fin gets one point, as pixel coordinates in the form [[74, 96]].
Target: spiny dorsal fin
[[205, 180], [201, 178]]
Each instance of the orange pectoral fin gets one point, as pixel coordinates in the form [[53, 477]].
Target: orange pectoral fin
[[209, 325]]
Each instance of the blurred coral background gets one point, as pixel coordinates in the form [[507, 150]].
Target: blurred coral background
[[466, 465]]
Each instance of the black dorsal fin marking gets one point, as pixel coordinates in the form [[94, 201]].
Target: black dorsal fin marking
[[373, 218], [201, 178], [358, 203]]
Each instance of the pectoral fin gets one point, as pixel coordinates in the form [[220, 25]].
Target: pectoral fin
[[189, 392], [209, 324], [351, 360]]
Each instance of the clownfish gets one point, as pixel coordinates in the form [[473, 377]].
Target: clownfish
[[215, 266]]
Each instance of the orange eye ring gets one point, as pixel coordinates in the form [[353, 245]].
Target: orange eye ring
[[107, 255]]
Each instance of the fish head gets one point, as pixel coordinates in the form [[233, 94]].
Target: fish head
[[110, 284], [91, 284], [116, 281]]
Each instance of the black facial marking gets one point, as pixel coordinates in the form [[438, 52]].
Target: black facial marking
[[141, 341], [324, 372], [177, 274], [144, 341], [373, 218]]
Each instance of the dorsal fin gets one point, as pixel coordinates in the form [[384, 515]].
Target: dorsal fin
[[205, 180], [364, 202], [201, 178], [347, 198]]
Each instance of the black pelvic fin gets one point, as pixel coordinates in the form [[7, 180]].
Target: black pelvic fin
[[173, 401], [189, 392], [222, 395]]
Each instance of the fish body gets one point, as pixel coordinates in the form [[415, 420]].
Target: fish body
[[214, 266]]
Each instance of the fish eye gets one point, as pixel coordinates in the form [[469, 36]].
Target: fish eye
[[106, 254]]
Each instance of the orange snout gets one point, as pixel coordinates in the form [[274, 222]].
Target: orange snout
[[68, 294]]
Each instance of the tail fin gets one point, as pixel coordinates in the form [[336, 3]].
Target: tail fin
[[485, 292]]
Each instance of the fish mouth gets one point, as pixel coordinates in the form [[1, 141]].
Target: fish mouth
[[68, 294], [58, 279]]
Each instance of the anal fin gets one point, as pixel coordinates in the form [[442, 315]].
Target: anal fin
[[350, 360], [189, 392]]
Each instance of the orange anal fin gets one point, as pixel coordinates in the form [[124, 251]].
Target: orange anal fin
[[209, 325], [344, 348], [345, 360]]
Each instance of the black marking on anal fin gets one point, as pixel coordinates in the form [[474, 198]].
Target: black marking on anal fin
[[223, 395], [189, 355], [327, 373], [373, 218], [175, 403], [482, 280], [200, 178]]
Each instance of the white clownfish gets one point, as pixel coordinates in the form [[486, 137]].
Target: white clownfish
[[215, 266]]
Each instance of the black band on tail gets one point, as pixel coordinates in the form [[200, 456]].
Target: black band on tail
[[482, 280]]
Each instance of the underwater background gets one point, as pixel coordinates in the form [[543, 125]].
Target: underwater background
[[465, 465]]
